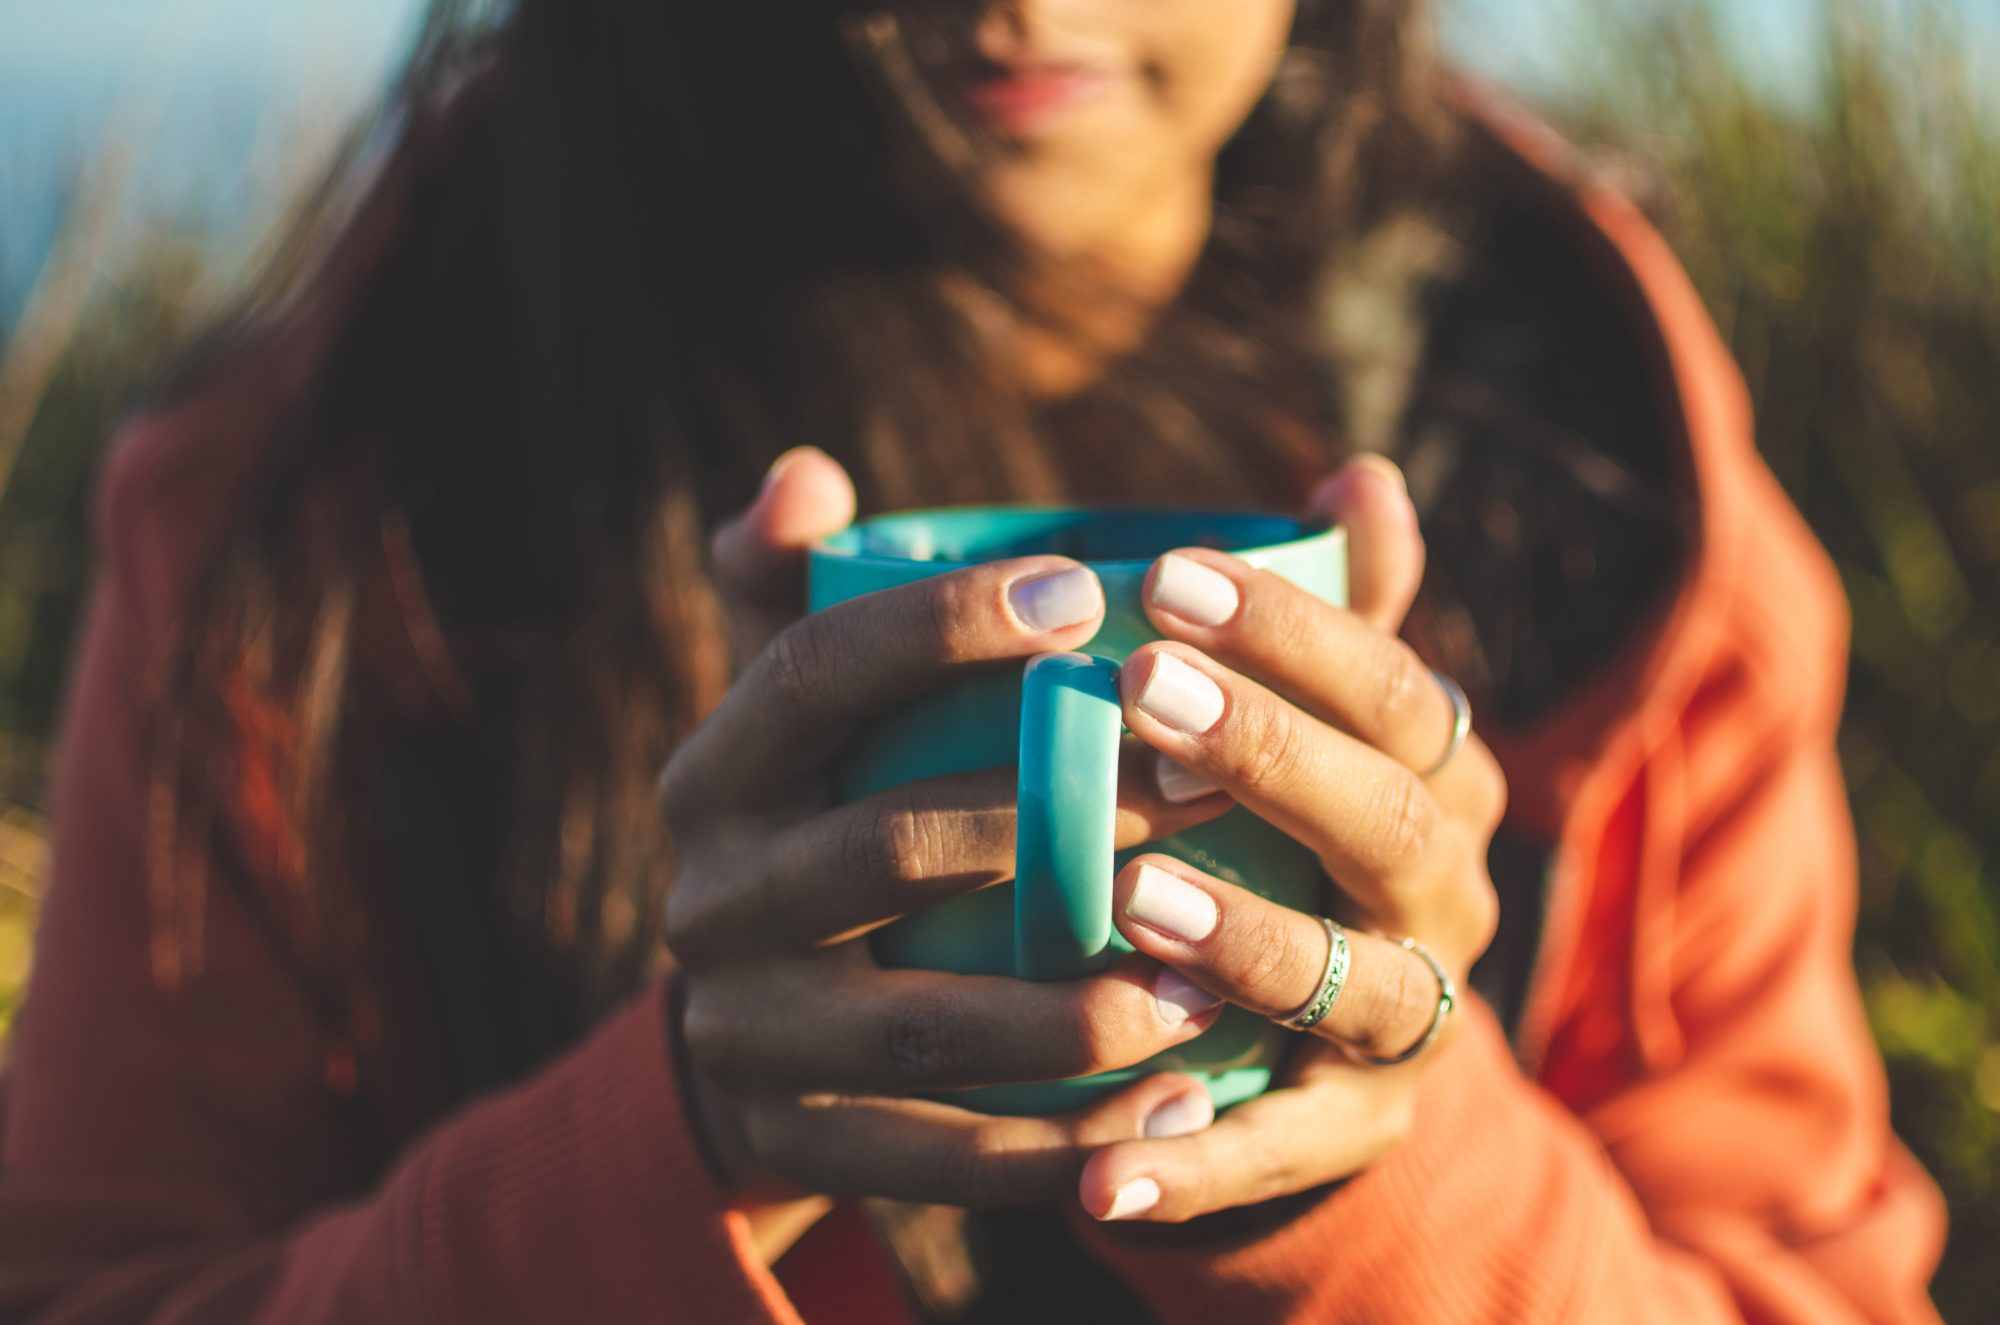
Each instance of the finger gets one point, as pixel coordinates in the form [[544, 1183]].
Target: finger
[[1271, 959], [1385, 549], [759, 556], [1281, 1143], [1375, 823], [837, 875], [836, 1025], [1333, 662], [862, 865], [923, 1150], [822, 676]]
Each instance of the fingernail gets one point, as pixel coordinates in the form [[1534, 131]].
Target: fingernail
[[1194, 592], [1180, 999], [1382, 466], [1179, 783], [783, 463], [1134, 1198], [1173, 906], [1183, 1115], [1180, 696], [1051, 602]]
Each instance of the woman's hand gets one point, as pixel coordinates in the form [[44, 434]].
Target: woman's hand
[[1321, 721], [806, 1058]]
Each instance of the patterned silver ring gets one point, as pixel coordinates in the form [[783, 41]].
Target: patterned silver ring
[[1461, 721], [1331, 982]]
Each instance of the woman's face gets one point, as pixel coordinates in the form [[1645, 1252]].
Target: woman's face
[[1111, 112]]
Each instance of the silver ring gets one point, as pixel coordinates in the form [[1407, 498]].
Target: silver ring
[[1331, 982], [1447, 1000], [1461, 721]]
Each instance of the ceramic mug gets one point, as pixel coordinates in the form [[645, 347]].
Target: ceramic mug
[[1058, 719]]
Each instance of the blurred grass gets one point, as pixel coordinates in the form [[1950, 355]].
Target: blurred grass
[[125, 335], [1849, 245]]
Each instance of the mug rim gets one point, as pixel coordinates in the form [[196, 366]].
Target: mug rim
[[1310, 534]]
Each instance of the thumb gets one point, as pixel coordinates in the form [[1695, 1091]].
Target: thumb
[[759, 556], [1385, 550]]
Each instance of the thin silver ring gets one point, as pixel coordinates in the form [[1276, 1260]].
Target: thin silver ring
[[1461, 721], [1331, 982], [1447, 1000]]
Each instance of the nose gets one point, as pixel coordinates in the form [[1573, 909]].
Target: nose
[[1002, 31], [1007, 28]]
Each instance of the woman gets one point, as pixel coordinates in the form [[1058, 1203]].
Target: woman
[[349, 1000]]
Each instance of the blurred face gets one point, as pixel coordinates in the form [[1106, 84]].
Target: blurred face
[[1111, 112]]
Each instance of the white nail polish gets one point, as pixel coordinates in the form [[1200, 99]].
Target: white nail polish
[[1172, 905], [1183, 1115], [1180, 696], [1192, 591], [1180, 999], [1179, 783], [1051, 602], [1134, 1198]]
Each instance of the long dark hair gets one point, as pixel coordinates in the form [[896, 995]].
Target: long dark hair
[[645, 247]]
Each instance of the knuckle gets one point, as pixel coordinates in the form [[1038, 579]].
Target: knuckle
[[925, 1045], [706, 916], [867, 847], [1397, 1000], [1272, 951], [948, 620], [683, 925], [1485, 918], [1269, 748], [973, 1169], [897, 844], [1275, 1167], [1398, 700], [781, 1140], [1405, 820], [796, 665], [1100, 1032], [1493, 790], [1284, 613]]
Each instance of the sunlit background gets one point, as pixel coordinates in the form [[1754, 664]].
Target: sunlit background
[[1830, 169]]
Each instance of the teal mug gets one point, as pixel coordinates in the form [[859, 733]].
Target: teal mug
[[1059, 721]]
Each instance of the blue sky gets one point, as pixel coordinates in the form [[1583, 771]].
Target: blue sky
[[94, 37], [97, 39]]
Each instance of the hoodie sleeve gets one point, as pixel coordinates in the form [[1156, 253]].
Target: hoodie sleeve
[[180, 1153]]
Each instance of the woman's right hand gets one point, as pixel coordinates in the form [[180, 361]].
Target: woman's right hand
[[810, 1062]]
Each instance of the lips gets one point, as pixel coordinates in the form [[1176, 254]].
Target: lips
[[1021, 99]]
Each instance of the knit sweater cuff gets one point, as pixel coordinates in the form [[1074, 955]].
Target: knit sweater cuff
[[581, 1195]]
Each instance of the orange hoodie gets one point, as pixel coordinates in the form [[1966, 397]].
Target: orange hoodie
[[1692, 1127]]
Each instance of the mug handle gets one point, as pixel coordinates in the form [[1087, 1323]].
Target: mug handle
[[1071, 723]]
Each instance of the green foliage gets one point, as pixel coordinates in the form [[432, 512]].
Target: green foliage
[[1849, 246], [125, 338], [1850, 249]]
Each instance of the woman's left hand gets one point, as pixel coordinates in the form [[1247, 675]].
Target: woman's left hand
[[1321, 721]]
